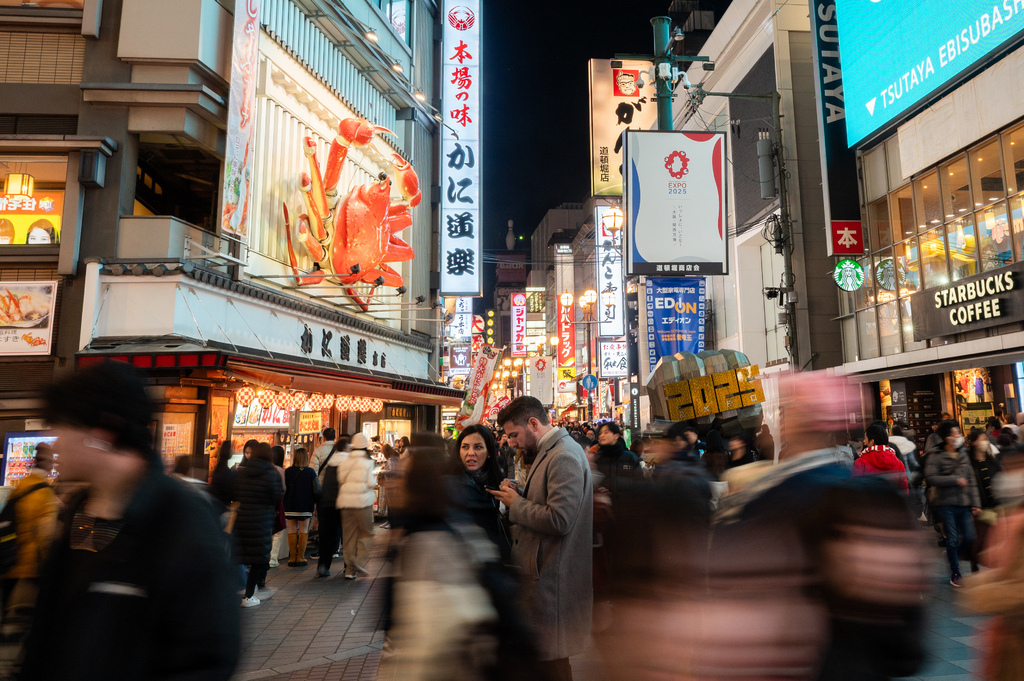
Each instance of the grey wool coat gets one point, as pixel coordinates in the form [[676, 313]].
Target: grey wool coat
[[552, 545]]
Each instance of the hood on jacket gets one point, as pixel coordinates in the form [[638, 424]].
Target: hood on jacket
[[904, 445], [880, 458]]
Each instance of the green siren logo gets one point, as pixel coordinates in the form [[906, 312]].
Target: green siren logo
[[849, 275]]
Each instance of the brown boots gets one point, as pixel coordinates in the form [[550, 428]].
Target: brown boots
[[300, 559], [292, 550]]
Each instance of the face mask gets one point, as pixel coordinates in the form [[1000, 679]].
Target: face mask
[[1009, 487], [958, 442]]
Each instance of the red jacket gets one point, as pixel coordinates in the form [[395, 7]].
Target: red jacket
[[880, 460]]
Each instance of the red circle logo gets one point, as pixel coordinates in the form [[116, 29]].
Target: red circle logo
[[677, 164], [519, 299], [461, 18]]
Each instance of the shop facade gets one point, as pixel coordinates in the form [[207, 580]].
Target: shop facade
[[936, 327]]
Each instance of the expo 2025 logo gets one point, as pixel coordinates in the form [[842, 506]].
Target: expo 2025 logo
[[461, 18], [677, 164]]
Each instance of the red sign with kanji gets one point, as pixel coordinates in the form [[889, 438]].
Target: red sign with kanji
[[846, 238]]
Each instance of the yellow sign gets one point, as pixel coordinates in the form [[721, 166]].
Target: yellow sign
[[708, 395], [566, 373], [310, 421]]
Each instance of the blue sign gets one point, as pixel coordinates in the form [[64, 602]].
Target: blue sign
[[895, 53], [589, 382], [675, 316]]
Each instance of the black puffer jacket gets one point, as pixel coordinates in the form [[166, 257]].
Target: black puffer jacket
[[257, 489], [618, 465], [301, 490], [472, 503]]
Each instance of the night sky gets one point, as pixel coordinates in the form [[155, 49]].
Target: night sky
[[536, 103]]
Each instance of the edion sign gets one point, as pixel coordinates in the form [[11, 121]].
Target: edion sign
[[519, 324]]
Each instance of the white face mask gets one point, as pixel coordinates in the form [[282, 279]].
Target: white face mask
[[958, 442], [1009, 487]]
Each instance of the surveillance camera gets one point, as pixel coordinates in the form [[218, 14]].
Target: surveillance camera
[[709, 66], [616, 64], [771, 293]]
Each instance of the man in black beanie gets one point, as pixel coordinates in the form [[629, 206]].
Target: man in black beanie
[[138, 585]]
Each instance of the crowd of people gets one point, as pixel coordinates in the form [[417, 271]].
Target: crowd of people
[[512, 547]]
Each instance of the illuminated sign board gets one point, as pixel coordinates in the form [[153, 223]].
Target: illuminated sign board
[[566, 335], [611, 291], [897, 54], [31, 220], [519, 324]]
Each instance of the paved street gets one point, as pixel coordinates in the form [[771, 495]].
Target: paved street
[[314, 629]]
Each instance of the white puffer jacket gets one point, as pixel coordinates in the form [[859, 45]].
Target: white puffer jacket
[[355, 481]]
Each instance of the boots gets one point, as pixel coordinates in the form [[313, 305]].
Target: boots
[[300, 559], [293, 560]]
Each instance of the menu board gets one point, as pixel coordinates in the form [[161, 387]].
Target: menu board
[[26, 324], [255, 416], [19, 452]]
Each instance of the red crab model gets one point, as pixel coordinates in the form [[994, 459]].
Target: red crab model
[[353, 240]]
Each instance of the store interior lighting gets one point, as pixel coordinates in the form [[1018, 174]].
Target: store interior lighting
[[19, 184]]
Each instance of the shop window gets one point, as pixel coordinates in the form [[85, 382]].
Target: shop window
[[31, 199], [963, 249], [901, 208], [1013, 155], [906, 323], [889, 329], [865, 295], [926, 202], [908, 269], [994, 237], [956, 190], [892, 156], [876, 184], [177, 180], [933, 259], [397, 12], [885, 276], [850, 352], [1017, 219], [845, 302], [987, 175], [867, 332], [878, 221]]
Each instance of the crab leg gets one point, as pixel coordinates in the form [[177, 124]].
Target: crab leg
[[351, 132], [301, 281], [398, 251], [312, 210], [313, 247], [364, 305], [398, 217], [407, 180], [319, 198]]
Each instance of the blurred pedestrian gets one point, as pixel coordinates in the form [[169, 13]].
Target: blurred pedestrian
[[986, 468], [878, 458], [258, 490], [355, 500], [301, 492], [765, 443], [327, 513], [280, 524], [552, 533], [320, 454], [615, 463], [954, 496], [741, 452], [138, 585], [477, 469]]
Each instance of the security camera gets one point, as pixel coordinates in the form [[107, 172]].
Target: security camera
[[709, 66], [771, 293]]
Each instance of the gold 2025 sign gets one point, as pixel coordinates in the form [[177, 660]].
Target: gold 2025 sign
[[707, 395]]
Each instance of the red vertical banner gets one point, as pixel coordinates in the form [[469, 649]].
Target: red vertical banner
[[566, 335], [245, 54]]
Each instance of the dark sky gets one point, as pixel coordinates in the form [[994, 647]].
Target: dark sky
[[536, 102]]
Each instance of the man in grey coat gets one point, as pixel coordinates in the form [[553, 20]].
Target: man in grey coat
[[552, 533]]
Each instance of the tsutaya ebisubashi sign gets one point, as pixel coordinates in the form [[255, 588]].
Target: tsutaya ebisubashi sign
[[460, 149], [927, 44]]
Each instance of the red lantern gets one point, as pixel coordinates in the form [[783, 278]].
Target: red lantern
[[343, 403], [316, 401], [245, 395], [283, 401], [328, 402], [298, 400], [378, 405], [266, 398]]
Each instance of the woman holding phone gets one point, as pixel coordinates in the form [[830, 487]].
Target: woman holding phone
[[477, 470]]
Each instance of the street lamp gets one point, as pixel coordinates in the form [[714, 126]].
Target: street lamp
[[506, 362], [565, 299], [614, 219]]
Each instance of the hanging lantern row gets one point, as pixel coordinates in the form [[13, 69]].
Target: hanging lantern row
[[359, 404], [284, 401]]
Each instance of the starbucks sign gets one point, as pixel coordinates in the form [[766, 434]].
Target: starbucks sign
[[848, 274]]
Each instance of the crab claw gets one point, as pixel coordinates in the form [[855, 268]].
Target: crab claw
[[407, 180], [316, 218], [358, 131]]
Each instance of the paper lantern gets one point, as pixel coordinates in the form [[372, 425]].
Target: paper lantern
[[283, 401], [343, 403], [266, 398], [328, 402], [245, 395], [298, 400], [378, 405], [316, 401]]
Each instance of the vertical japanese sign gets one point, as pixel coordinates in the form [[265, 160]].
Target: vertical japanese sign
[[459, 359], [838, 160], [612, 361], [675, 317], [617, 103], [460, 161], [540, 372], [611, 294], [566, 335], [241, 119], [675, 203], [519, 324], [461, 326]]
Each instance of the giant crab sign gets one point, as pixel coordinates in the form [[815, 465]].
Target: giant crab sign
[[352, 241]]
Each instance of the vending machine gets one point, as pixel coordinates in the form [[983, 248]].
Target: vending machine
[[20, 450]]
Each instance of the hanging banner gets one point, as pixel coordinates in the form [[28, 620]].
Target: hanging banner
[[519, 324], [612, 360], [566, 335], [617, 104], [611, 291], [26, 317], [566, 380], [478, 388], [675, 317], [540, 370], [675, 203], [241, 119], [460, 265]]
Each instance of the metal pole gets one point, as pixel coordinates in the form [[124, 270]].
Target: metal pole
[[663, 55], [787, 230]]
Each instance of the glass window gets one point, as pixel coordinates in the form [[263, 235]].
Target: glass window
[[865, 295], [926, 202], [875, 182], [1017, 217], [30, 214], [885, 276], [889, 329], [397, 12], [850, 353], [878, 220], [987, 175], [933, 259], [845, 302], [907, 322], [867, 331], [956, 191], [901, 208], [994, 237], [892, 155], [908, 270], [963, 249], [1013, 154]]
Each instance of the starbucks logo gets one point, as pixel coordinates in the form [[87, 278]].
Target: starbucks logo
[[849, 275]]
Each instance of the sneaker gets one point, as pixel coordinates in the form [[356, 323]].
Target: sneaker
[[956, 581], [250, 602], [337, 555], [350, 576], [274, 563], [386, 526], [322, 571]]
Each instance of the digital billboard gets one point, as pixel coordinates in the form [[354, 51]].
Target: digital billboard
[[895, 54]]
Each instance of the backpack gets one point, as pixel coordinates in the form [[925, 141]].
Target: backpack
[[9, 529]]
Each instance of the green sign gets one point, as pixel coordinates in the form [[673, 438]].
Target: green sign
[[849, 274]]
